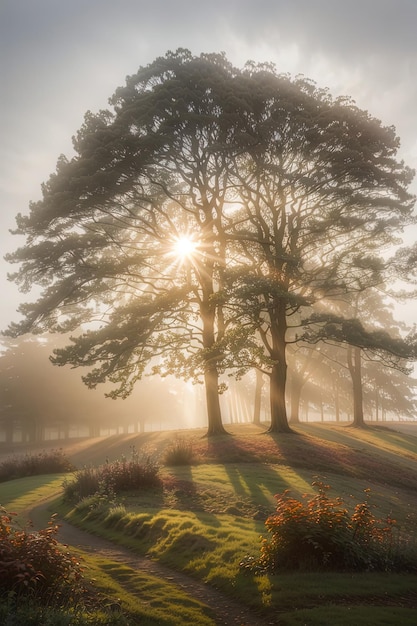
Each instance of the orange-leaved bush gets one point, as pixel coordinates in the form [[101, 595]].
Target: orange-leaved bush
[[319, 533]]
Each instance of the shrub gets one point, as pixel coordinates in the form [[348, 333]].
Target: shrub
[[180, 452], [45, 462], [112, 478], [42, 583], [33, 564], [320, 533]]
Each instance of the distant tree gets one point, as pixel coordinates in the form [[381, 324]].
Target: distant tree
[[23, 398], [35, 396], [210, 203], [303, 361], [389, 393], [371, 333]]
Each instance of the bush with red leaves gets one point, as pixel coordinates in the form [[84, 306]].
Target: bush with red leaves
[[35, 564]]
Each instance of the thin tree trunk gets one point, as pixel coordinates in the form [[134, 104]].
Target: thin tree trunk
[[296, 389], [355, 369], [337, 404], [258, 397]]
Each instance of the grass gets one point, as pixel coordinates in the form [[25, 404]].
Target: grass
[[210, 514], [22, 494], [147, 600]]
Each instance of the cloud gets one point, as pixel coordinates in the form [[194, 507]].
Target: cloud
[[60, 58]]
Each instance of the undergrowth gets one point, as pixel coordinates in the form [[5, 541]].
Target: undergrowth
[[42, 583], [140, 472], [319, 533], [45, 462], [180, 452]]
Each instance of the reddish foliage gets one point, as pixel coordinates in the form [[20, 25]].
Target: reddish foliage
[[320, 533], [34, 563]]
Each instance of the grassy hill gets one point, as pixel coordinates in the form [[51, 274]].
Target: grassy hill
[[210, 515]]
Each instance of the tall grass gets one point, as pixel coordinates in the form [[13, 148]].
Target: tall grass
[[140, 472], [45, 462]]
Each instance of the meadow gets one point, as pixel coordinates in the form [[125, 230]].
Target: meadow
[[206, 519]]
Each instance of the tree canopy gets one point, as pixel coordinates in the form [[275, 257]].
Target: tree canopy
[[200, 213]]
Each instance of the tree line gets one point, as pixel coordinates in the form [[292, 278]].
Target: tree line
[[213, 220]]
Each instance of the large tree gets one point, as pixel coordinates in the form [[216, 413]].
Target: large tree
[[320, 200], [130, 232], [270, 184]]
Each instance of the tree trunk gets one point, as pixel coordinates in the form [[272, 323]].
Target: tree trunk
[[279, 421], [296, 389], [321, 409], [214, 416], [208, 312], [337, 403], [278, 376], [355, 369], [258, 397]]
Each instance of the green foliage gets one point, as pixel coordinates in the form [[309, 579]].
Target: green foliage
[[320, 533], [45, 462], [394, 351], [180, 452], [109, 479]]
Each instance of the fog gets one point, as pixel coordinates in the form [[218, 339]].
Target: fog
[[41, 402]]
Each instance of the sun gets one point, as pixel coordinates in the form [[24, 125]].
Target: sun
[[184, 247]]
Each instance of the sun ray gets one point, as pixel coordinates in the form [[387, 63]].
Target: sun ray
[[184, 247]]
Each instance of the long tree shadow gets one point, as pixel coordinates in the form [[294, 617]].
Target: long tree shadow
[[310, 448], [252, 466]]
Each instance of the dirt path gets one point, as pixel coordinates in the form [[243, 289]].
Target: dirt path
[[226, 612]]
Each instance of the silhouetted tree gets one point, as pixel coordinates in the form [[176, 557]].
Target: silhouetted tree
[[320, 197], [103, 239], [283, 192]]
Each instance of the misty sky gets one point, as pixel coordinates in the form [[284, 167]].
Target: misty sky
[[60, 58]]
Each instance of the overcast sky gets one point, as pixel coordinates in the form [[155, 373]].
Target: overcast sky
[[60, 58]]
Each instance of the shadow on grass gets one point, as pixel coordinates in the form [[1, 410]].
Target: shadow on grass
[[315, 451], [113, 447]]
